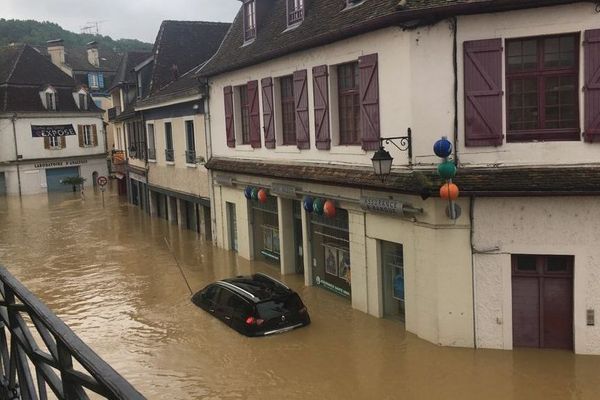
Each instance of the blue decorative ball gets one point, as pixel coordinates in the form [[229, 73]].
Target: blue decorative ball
[[308, 204], [248, 193], [442, 148]]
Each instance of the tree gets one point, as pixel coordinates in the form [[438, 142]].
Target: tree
[[74, 181]]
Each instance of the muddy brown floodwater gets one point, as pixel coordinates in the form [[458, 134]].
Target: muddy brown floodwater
[[109, 274]]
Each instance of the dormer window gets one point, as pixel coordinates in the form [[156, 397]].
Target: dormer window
[[249, 20], [295, 11], [352, 3], [82, 100], [49, 99]]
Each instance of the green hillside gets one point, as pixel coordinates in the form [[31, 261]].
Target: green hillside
[[37, 33]]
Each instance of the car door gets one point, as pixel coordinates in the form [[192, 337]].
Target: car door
[[223, 309], [209, 298], [240, 310]]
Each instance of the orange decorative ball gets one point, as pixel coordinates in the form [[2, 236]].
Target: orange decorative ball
[[329, 209], [449, 191], [262, 196]]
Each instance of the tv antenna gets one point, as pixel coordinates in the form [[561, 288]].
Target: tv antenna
[[92, 27]]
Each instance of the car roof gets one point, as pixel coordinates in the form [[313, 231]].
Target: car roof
[[258, 287]]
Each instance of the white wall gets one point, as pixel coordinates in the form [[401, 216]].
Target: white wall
[[545, 226]]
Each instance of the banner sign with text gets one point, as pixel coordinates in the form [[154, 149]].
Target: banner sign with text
[[52, 130]]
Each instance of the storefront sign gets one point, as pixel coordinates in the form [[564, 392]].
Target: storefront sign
[[59, 164], [52, 130], [224, 180], [388, 206], [332, 287], [281, 190]]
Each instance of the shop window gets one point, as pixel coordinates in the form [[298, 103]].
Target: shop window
[[393, 280], [542, 79], [266, 230], [331, 252]]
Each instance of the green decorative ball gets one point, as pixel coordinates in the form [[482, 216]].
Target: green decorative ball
[[254, 194], [318, 206], [447, 170]]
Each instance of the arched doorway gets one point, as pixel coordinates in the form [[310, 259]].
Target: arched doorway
[[95, 178]]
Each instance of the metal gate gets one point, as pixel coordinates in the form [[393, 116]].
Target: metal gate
[[55, 176], [542, 294]]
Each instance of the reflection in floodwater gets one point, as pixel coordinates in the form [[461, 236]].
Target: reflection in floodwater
[[110, 275]]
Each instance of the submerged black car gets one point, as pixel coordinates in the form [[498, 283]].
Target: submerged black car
[[256, 305]]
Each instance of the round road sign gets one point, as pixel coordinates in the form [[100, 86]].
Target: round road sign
[[102, 180]]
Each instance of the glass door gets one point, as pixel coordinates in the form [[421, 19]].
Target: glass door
[[393, 280]]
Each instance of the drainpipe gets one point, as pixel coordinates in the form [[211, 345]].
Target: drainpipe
[[208, 143], [454, 23], [472, 236], [14, 125]]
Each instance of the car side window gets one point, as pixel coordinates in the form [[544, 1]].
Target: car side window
[[212, 294], [224, 297]]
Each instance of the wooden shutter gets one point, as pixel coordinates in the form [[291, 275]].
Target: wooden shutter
[[268, 112], [301, 106], [321, 98], [483, 92], [63, 142], [369, 101], [94, 135], [46, 142], [229, 126], [592, 85], [254, 109], [80, 135]]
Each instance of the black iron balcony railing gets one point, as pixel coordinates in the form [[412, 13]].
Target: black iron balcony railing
[[113, 113], [151, 154], [61, 361], [190, 157], [169, 155], [295, 16]]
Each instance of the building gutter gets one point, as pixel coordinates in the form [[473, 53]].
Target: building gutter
[[411, 18], [454, 22], [169, 103], [208, 144], [471, 241], [14, 126]]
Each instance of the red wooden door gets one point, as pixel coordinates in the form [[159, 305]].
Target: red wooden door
[[542, 293]]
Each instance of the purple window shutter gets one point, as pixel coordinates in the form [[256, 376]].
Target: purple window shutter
[[321, 97], [483, 92], [301, 102], [369, 101], [592, 85], [254, 114], [229, 127], [268, 114]]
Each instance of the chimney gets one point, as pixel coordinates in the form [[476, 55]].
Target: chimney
[[92, 54], [56, 50]]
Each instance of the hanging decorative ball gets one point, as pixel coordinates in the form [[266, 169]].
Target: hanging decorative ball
[[447, 170], [262, 196], [442, 148], [248, 193], [308, 204], [254, 194], [449, 191], [329, 209], [318, 206]]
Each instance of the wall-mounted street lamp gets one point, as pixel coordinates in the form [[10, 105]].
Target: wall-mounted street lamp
[[382, 160]]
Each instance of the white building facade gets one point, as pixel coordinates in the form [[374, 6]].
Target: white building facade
[[518, 267]]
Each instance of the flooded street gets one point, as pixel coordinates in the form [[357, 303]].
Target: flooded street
[[109, 274]]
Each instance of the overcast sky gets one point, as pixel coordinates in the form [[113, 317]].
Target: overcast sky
[[138, 19]]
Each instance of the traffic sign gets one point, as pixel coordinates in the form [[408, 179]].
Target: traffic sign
[[102, 180]]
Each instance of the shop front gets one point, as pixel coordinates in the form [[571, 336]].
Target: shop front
[[392, 256], [265, 230], [330, 242]]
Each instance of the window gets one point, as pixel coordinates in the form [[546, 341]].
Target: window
[[151, 143], [349, 103], [249, 20], [542, 83], [83, 101], [169, 153], [93, 80], [190, 153], [55, 142], [88, 139], [288, 110], [50, 100], [295, 11], [244, 113], [140, 88]]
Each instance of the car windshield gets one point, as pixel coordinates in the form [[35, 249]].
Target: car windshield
[[276, 307]]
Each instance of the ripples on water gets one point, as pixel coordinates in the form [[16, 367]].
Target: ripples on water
[[110, 276]]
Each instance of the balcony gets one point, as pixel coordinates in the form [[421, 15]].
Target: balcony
[[151, 154], [190, 157], [113, 113], [118, 161], [169, 155]]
